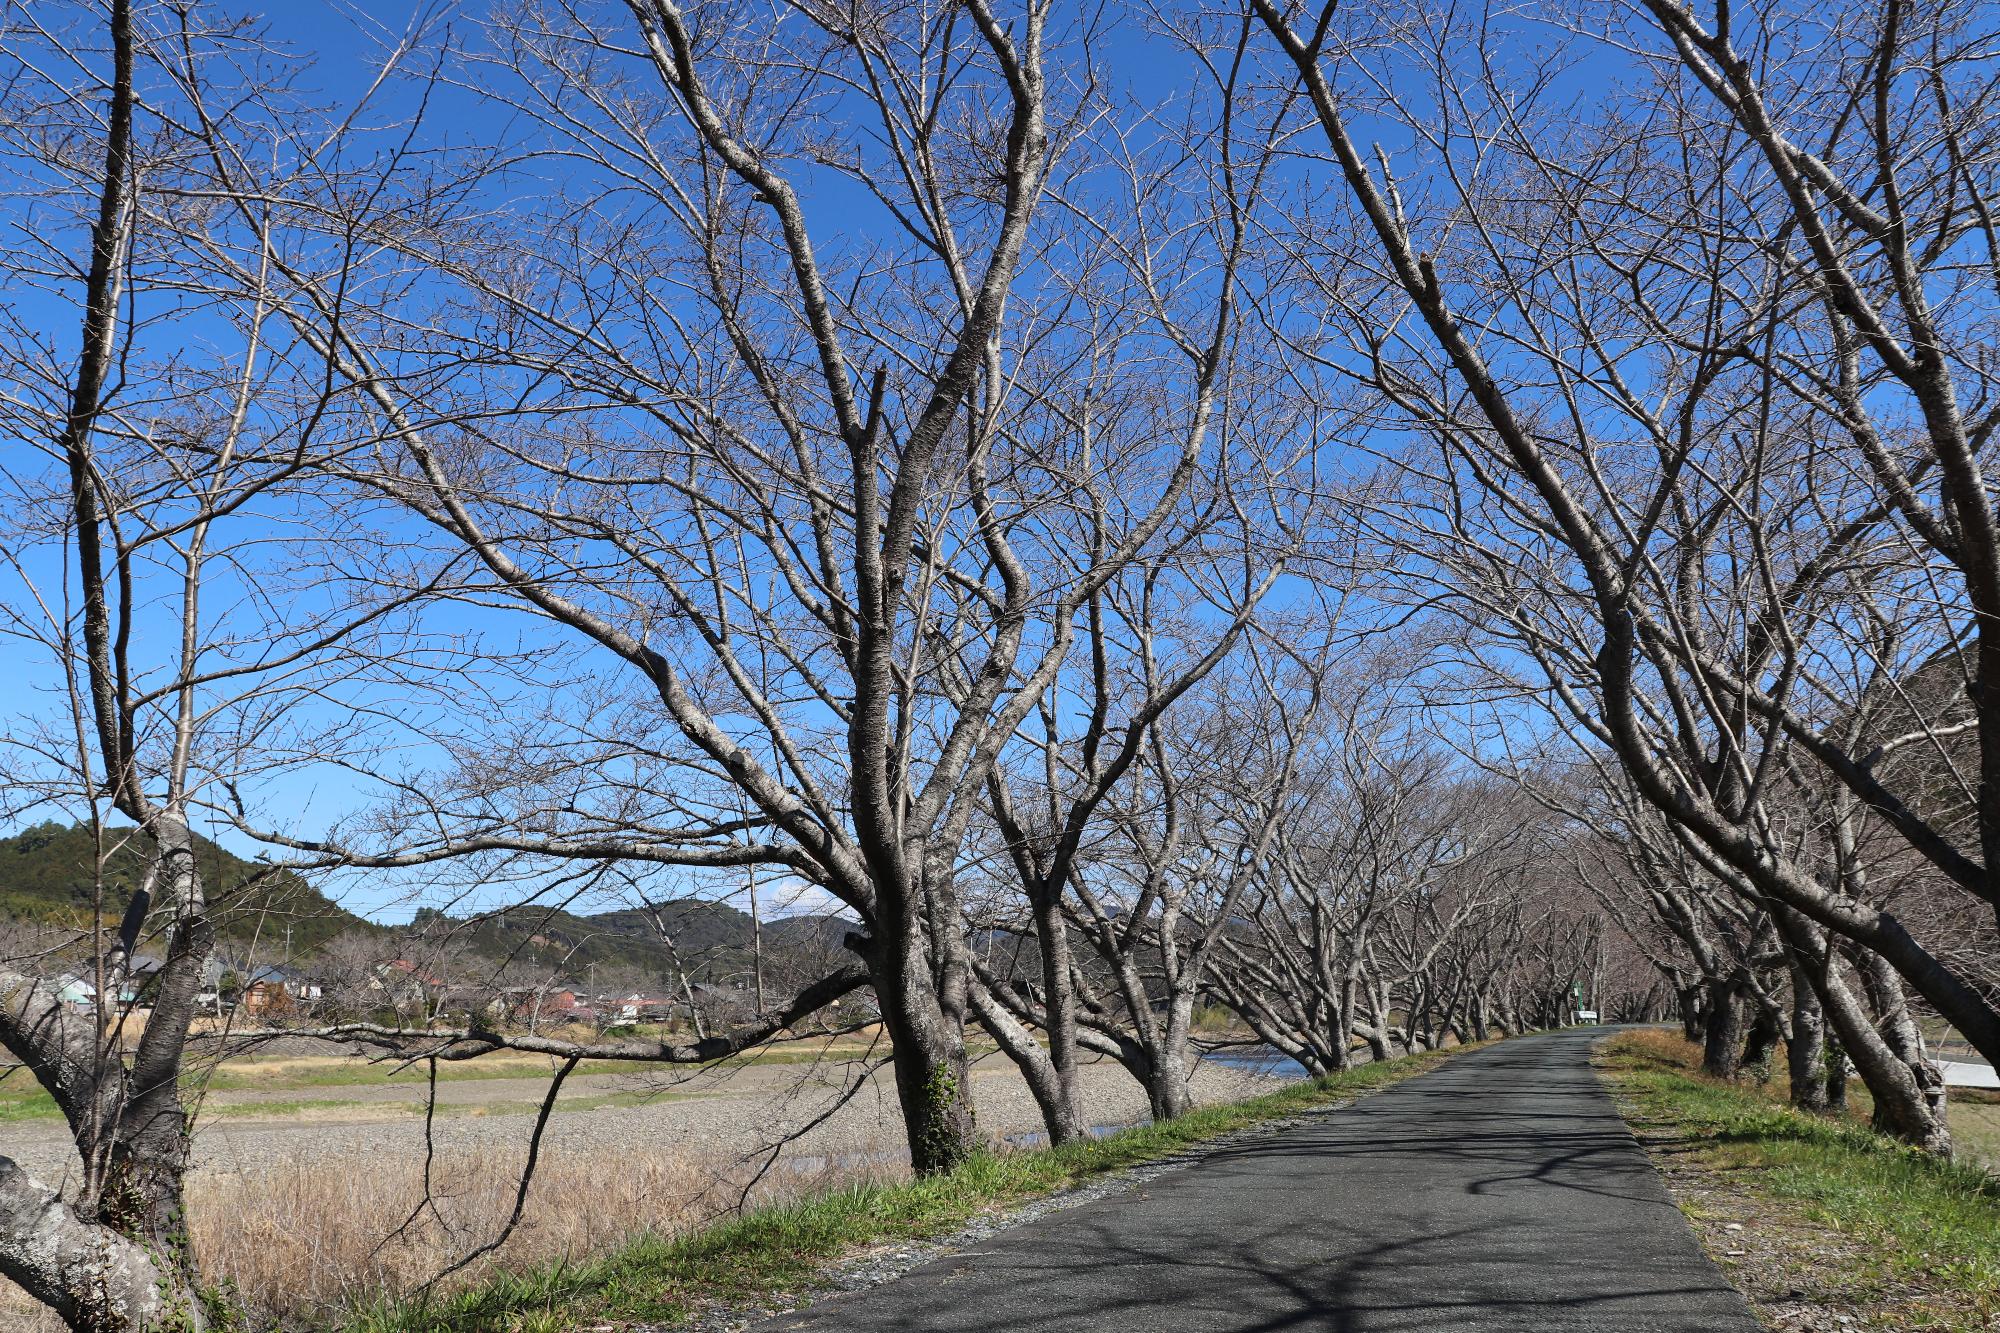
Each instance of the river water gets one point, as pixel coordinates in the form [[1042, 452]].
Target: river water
[[1257, 1060]]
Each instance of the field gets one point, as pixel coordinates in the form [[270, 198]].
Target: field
[[310, 1167]]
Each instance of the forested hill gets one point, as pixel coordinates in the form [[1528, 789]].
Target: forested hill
[[714, 940], [47, 874]]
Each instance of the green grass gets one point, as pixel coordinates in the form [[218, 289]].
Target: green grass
[[663, 1279], [21, 1098], [1975, 1126], [1933, 1227]]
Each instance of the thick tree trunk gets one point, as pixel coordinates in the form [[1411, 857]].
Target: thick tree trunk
[[117, 1258], [1805, 1048], [1171, 1065], [1722, 1043], [1766, 1030], [1167, 1093], [1059, 1001], [1909, 1095], [1379, 1049], [928, 1055], [1914, 1110], [1376, 1031], [1694, 1013], [94, 1279]]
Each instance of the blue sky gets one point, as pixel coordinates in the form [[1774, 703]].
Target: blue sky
[[345, 42]]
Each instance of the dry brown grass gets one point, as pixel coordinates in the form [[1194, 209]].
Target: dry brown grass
[[297, 1242]]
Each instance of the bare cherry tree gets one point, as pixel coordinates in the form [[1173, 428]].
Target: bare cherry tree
[[818, 504], [1703, 405], [181, 621], [1391, 850]]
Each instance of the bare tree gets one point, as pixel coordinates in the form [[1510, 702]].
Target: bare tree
[[173, 592], [835, 520], [1391, 849], [1686, 392]]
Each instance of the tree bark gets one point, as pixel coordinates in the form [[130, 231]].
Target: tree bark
[[1722, 1043], [1805, 1048], [1909, 1096], [94, 1279], [1693, 1018], [1913, 1108], [1062, 1118], [928, 1055], [1766, 1030]]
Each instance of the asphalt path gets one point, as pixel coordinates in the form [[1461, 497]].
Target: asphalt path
[[1498, 1192]]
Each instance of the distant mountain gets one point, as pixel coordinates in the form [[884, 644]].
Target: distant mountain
[[713, 940], [48, 875]]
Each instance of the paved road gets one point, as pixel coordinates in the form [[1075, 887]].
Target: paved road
[[1499, 1192]]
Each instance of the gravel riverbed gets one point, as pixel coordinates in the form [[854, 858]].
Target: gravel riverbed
[[739, 1112]]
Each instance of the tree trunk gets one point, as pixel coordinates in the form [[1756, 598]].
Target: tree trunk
[[928, 1054], [1722, 1044], [94, 1279], [1805, 1048], [1167, 1087], [1766, 1030], [1062, 1119], [1836, 1076], [1693, 1013], [1914, 1111], [1059, 1003], [1909, 1098], [1379, 1049]]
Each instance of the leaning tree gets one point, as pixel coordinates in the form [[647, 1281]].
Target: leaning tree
[[1685, 386]]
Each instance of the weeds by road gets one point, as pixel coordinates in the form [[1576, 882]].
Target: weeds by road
[[1814, 1218]]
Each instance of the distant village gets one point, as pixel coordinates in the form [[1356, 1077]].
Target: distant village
[[409, 993]]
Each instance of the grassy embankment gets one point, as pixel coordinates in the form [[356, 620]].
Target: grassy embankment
[[1852, 1218], [662, 1279]]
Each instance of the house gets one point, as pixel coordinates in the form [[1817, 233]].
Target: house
[[643, 1009], [265, 999], [75, 992], [560, 1005], [408, 987], [277, 990]]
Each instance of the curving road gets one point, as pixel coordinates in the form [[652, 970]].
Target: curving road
[[1499, 1192]]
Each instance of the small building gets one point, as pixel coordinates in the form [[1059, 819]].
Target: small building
[[563, 1004], [277, 990], [643, 1009], [74, 992]]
